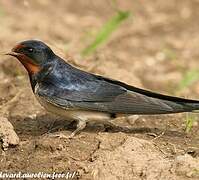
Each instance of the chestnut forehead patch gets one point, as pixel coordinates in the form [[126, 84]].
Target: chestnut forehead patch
[[18, 47]]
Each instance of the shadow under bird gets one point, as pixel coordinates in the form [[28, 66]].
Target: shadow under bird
[[70, 92]]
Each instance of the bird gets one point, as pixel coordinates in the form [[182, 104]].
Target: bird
[[82, 96]]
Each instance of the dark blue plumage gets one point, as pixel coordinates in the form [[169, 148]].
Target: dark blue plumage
[[64, 83]]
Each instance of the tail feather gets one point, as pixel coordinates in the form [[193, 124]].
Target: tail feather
[[178, 104], [137, 103], [182, 106]]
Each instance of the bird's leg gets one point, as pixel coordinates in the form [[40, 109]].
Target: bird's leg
[[80, 126]]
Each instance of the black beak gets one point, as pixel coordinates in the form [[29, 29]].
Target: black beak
[[14, 54], [14, 51]]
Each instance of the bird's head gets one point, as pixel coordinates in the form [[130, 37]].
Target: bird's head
[[33, 54]]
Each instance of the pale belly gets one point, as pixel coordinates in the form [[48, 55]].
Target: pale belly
[[72, 113]]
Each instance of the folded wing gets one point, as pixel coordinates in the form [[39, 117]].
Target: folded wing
[[102, 94]]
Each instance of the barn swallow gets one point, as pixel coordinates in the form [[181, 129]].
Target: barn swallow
[[70, 92]]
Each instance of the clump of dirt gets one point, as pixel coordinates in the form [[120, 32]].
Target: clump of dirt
[[153, 50], [133, 158], [7, 133], [187, 165]]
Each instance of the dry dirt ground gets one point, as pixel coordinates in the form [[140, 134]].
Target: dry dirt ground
[[153, 49]]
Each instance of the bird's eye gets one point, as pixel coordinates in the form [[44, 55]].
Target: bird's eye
[[30, 50]]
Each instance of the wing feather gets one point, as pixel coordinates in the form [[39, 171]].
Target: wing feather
[[76, 88]]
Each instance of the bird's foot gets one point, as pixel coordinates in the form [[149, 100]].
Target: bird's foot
[[62, 136]]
